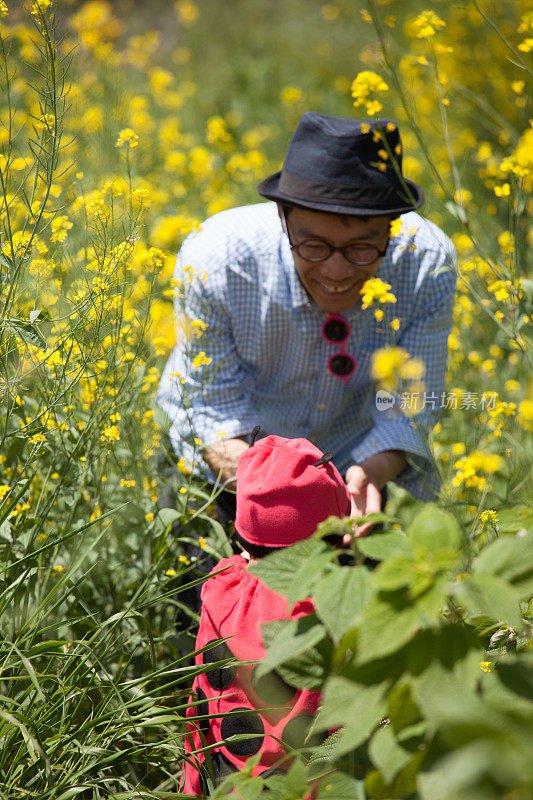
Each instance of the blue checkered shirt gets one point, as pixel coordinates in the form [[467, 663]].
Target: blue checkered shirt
[[269, 358]]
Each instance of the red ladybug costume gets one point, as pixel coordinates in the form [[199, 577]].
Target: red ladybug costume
[[285, 487]]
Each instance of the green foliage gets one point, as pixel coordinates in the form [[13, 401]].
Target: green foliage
[[428, 677]]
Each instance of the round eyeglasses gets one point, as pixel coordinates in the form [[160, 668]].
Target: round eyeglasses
[[361, 254], [313, 249]]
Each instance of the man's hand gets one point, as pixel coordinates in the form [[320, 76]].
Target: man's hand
[[365, 496], [365, 480], [222, 458]]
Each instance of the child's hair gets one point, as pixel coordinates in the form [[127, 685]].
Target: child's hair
[[255, 550]]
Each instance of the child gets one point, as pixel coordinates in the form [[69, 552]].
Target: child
[[285, 488]]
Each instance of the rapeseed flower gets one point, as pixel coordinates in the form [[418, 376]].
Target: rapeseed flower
[[187, 12], [525, 415], [468, 469], [488, 517], [376, 289], [110, 434], [201, 360], [365, 85], [127, 136], [426, 25]]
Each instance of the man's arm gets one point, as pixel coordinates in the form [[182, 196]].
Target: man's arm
[[204, 390], [424, 337]]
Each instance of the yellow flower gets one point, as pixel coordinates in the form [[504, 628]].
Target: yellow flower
[[395, 227], [3, 9], [426, 25], [60, 225], [183, 466], [291, 95], [467, 469], [199, 326], [386, 362], [365, 85], [506, 242], [183, 490], [58, 568], [202, 542], [127, 483], [37, 438], [4, 489], [395, 324], [149, 517], [378, 313], [187, 12], [184, 560], [40, 5], [500, 289], [128, 137], [201, 360], [486, 666], [525, 415], [488, 517], [376, 289], [170, 573], [110, 434]]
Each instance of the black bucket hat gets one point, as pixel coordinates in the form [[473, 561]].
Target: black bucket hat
[[344, 166]]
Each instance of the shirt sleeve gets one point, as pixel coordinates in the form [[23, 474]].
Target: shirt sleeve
[[424, 338], [204, 389]]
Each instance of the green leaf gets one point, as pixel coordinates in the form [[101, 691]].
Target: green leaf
[[393, 574], [492, 597], [387, 625], [403, 785], [291, 639], [386, 754], [340, 786], [340, 597], [510, 557], [309, 669], [357, 707], [6, 261], [293, 571], [166, 516], [451, 777], [512, 519], [30, 334], [434, 529], [384, 545], [401, 708]]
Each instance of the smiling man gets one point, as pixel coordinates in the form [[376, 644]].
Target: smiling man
[[288, 345]]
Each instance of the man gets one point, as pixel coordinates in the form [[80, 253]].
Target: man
[[287, 344]]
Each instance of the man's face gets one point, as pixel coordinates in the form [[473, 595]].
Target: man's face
[[334, 284]]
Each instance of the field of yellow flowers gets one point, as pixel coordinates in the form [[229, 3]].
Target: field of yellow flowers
[[122, 126]]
